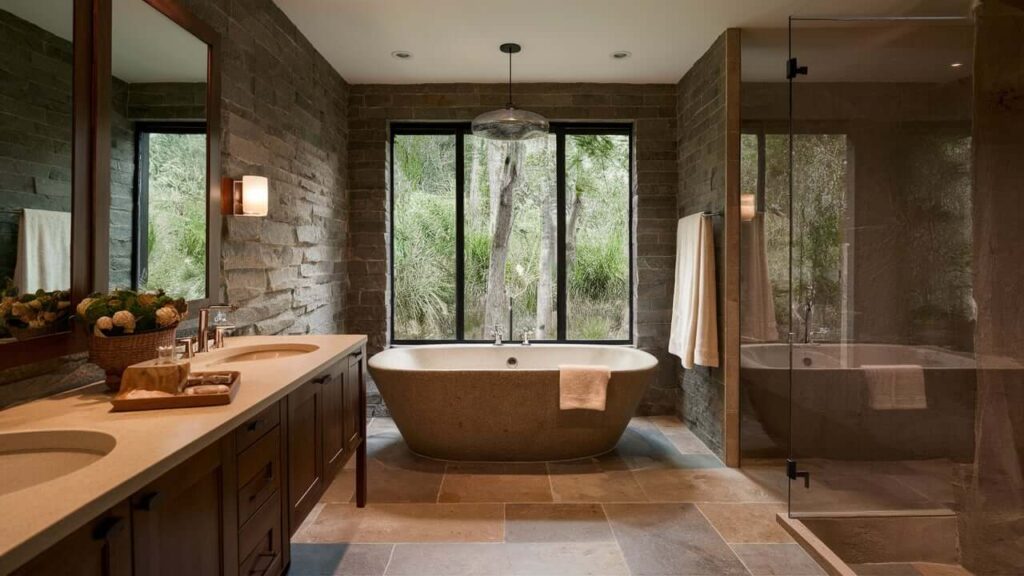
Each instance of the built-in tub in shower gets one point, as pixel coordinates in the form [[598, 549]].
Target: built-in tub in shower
[[479, 402], [830, 408]]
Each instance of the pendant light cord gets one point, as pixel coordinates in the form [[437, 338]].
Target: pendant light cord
[[509, 79]]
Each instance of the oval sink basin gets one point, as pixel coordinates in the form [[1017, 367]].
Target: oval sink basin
[[263, 352], [30, 458]]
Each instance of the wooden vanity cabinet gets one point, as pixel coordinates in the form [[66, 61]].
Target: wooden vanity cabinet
[[231, 508], [335, 389], [305, 435], [180, 521], [102, 547]]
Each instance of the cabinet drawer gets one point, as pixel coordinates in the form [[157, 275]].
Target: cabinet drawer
[[261, 541], [257, 426], [259, 473]]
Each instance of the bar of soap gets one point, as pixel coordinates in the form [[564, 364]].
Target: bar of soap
[[204, 389], [169, 378], [139, 393]]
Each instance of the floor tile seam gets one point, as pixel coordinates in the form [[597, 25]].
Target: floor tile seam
[[615, 538], [722, 538]]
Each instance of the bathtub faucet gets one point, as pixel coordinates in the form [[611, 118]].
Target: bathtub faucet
[[497, 332]]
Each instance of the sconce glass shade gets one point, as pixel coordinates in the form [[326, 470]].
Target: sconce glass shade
[[748, 208], [510, 124], [255, 195]]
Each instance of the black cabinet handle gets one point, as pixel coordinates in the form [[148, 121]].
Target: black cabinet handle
[[108, 528], [254, 424], [150, 500]]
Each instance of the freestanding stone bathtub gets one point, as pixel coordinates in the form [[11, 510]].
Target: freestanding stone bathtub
[[480, 402]]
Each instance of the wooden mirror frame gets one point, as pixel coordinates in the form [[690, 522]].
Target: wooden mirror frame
[[181, 16], [90, 208], [83, 172]]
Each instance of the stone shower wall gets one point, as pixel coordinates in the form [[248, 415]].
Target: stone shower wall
[[650, 107], [701, 157], [283, 115], [35, 127]]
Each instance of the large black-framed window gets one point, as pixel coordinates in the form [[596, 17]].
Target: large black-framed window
[[565, 201], [170, 155]]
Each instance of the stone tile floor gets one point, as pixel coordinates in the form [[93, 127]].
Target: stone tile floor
[[659, 504]]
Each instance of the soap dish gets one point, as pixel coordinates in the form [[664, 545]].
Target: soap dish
[[123, 404]]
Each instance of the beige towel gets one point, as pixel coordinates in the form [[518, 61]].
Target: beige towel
[[583, 387], [757, 305], [693, 336], [896, 387]]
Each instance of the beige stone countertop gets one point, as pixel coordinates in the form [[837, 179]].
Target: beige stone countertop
[[149, 443]]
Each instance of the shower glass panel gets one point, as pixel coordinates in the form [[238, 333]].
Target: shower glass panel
[[879, 299]]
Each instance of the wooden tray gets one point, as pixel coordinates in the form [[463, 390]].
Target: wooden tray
[[182, 400]]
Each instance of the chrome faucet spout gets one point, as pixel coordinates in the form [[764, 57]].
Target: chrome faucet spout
[[496, 333]]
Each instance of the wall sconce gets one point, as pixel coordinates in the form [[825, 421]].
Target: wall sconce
[[249, 196], [748, 207]]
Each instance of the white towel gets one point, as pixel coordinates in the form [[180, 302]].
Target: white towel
[[694, 332], [895, 387], [44, 251], [757, 304]]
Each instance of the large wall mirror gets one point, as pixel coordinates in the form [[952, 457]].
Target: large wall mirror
[[164, 223], [37, 185]]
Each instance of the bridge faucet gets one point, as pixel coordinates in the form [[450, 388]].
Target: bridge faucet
[[497, 333], [204, 326]]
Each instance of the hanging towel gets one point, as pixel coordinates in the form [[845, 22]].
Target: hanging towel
[[44, 251], [694, 332], [757, 305], [583, 387], [897, 387]]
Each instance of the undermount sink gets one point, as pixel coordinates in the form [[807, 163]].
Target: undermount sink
[[262, 352], [30, 458]]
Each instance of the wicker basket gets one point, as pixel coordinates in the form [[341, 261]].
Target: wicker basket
[[30, 333], [115, 353]]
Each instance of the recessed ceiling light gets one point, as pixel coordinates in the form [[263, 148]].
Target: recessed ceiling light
[[401, 55], [621, 54], [956, 64]]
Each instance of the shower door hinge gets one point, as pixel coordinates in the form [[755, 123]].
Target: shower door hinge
[[793, 473], [794, 69]]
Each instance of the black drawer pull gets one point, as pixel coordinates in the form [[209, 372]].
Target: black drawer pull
[[150, 501], [268, 475], [272, 558], [108, 528], [254, 424]]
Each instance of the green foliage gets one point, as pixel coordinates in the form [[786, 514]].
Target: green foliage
[[600, 272], [424, 235], [177, 215]]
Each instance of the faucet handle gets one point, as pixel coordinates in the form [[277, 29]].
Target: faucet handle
[[527, 333], [189, 342], [219, 332]]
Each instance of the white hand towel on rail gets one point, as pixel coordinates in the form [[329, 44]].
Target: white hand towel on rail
[[694, 332], [44, 251]]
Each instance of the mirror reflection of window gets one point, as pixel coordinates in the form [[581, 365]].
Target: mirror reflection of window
[[36, 67], [171, 208], [158, 181]]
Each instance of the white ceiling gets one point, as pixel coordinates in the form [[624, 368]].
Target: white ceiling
[[146, 45], [563, 40]]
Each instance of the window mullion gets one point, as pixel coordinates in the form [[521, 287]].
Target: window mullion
[[460, 230], [561, 300]]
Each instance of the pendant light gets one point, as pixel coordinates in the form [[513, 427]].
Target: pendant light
[[510, 123]]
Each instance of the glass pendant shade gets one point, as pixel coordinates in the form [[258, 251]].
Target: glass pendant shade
[[510, 124]]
